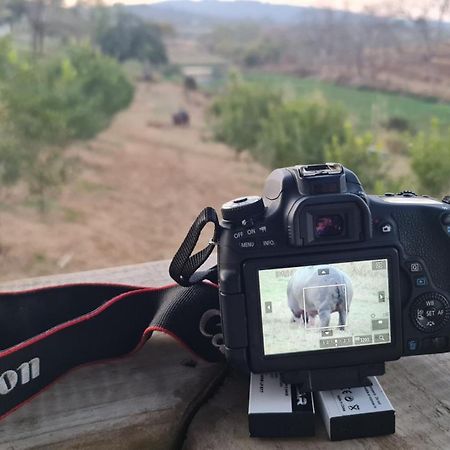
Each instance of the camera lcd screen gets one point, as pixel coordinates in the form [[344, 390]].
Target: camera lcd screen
[[323, 307]]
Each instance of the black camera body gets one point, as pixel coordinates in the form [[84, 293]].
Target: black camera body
[[323, 283]]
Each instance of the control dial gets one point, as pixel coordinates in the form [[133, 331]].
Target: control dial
[[407, 194], [430, 312], [243, 209]]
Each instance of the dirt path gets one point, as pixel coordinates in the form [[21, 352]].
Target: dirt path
[[142, 183]]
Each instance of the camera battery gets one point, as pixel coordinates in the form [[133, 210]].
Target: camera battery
[[277, 409], [356, 412]]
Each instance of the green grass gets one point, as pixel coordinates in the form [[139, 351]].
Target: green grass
[[367, 108]]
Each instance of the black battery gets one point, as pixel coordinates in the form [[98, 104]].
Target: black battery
[[356, 412], [277, 409]]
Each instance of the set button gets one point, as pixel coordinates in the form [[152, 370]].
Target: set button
[[430, 312]]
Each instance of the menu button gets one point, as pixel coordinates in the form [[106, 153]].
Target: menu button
[[247, 244]]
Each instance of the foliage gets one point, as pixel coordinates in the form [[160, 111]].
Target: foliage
[[265, 51], [282, 133], [240, 112], [68, 97], [299, 131], [358, 153], [46, 104], [366, 107], [430, 153], [131, 38]]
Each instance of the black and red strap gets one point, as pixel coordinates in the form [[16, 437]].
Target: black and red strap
[[46, 332]]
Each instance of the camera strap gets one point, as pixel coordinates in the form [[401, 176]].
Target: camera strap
[[46, 332]]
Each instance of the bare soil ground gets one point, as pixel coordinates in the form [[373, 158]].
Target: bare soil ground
[[140, 185]]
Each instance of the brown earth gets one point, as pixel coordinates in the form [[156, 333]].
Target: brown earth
[[140, 185]]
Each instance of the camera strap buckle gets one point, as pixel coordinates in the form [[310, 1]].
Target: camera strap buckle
[[184, 265]]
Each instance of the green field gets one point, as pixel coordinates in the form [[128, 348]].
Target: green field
[[367, 108]]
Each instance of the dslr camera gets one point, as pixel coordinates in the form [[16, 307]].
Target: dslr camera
[[323, 283]]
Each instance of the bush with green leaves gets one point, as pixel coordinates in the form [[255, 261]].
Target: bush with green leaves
[[281, 133], [430, 156], [45, 104], [297, 132], [239, 114], [358, 153]]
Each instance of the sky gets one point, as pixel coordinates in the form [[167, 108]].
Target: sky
[[382, 7], [356, 5]]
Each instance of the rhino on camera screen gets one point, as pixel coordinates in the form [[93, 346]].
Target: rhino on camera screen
[[319, 291]]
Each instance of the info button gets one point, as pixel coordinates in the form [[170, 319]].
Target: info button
[[267, 243]]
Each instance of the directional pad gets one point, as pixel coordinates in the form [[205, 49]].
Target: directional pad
[[430, 312]]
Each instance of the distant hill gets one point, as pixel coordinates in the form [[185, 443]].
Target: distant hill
[[214, 12]]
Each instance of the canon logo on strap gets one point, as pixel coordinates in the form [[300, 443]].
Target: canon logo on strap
[[22, 375]]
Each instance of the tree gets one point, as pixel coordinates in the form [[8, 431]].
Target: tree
[[16, 10], [131, 38], [48, 103]]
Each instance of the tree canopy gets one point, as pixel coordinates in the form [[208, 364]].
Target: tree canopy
[[131, 38]]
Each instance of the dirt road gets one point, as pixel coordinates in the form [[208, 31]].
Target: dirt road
[[141, 183]]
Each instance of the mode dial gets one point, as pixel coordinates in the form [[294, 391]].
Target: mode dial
[[407, 194], [430, 312], [243, 209]]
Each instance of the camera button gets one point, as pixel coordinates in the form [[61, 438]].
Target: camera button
[[247, 245], [421, 281], [415, 267], [430, 312], [413, 345], [268, 243], [386, 228]]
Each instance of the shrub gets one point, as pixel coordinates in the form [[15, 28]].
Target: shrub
[[359, 154], [430, 153], [298, 132], [238, 115]]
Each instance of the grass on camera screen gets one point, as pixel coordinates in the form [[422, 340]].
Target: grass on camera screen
[[327, 306]]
